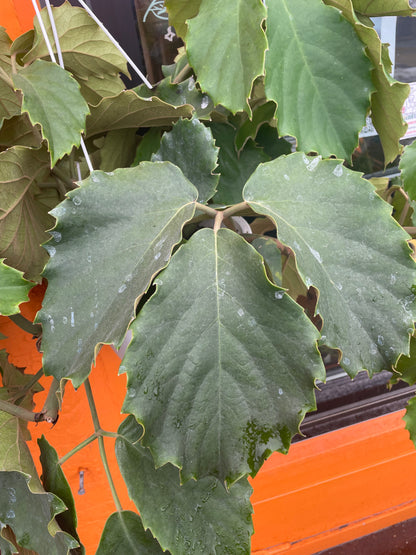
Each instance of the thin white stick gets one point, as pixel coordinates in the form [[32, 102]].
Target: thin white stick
[[55, 34], [116, 44], [61, 62], [44, 33]]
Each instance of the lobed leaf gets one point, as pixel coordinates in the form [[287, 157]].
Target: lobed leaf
[[375, 8], [190, 146], [52, 99], [315, 64], [113, 234], [13, 290], [349, 247], [124, 533], [127, 110], [24, 219], [86, 49], [30, 515], [197, 517], [221, 352], [225, 44]]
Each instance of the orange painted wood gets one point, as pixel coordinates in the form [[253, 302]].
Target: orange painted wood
[[16, 16]]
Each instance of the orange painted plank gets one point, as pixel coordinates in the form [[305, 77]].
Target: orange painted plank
[[16, 16]]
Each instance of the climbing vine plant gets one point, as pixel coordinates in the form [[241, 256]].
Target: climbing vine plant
[[231, 255]]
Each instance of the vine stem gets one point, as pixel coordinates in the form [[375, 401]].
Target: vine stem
[[183, 72], [207, 209], [232, 210], [26, 325], [99, 435]]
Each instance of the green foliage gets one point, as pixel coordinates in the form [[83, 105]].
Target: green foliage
[[222, 251]]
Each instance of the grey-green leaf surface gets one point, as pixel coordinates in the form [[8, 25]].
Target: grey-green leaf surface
[[197, 517], [23, 218], [349, 247], [54, 481], [30, 514], [124, 533], [225, 45], [190, 146], [221, 352], [408, 170], [234, 168], [52, 98], [315, 64], [114, 233], [13, 289], [127, 110], [86, 49]]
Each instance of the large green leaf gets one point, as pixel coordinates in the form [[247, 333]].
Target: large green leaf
[[54, 481], [317, 73], [52, 98], [86, 49], [30, 516], [95, 88], [13, 290], [225, 45], [114, 233], [181, 10], [234, 168], [374, 8], [124, 533], [220, 351], [349, 247], [389, 96], [23, 218], [197, 517], [190, 146], [408, 168], [128, 110]]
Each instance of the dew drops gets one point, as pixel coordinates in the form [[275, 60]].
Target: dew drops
[[305, 159], [10, 514], [279, 295], [91, 314], [338, 286], [76, 200], [109, 173], [308, 281], [64, 320], [191, 84], [373, 349], [72, 318], [316, 255], [122, 288], [286, 177], [12, 495], [51, 250], [314, 163], [346, 361], [338, 171], [131, 392], [280, 391], [158, 255], [240, 312], [393, 279], [204, 102], [95, 178], [56, 236], [380, 340]]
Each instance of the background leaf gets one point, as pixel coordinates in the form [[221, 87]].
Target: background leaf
[[29, 515], [234, 168], [124, 533], [85, 47], [228, 37], [349, 247], [190, 146], [408, 170], [197, 517], [181, 10], [54, 481], [315, 64], [13, 290], [374, 8], [52, 98], [110, 250], [24, 219], [128, 110], [213, 351]]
